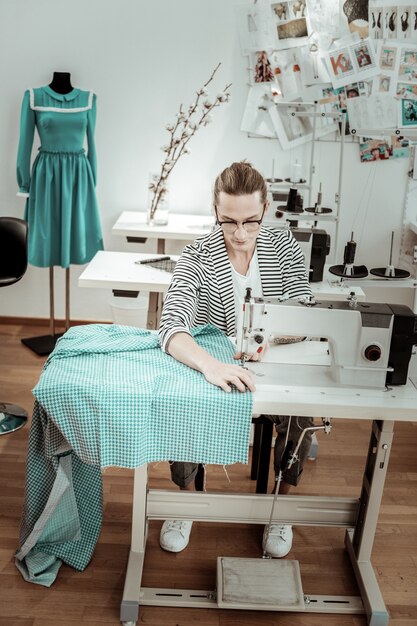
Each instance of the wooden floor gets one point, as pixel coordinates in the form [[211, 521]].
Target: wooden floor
[[93, 597]]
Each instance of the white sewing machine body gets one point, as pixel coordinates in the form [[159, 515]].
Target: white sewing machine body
[[369, 344]]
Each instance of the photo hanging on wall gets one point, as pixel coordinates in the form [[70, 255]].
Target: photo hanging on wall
[[372, 112], [255, 28], [256, 118], [352, 62], [407, 117], [290, 129], [354, 17], [407, 73], [393, 20], [290, 21], [383, 148]]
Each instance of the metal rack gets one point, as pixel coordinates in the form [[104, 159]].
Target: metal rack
[[314, 112]]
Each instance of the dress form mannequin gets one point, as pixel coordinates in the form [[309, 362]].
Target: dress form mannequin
[[63, 212], [61, 82]]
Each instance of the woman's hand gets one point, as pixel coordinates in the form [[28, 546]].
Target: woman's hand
[[184, 348], [225, 375], [256, 356]]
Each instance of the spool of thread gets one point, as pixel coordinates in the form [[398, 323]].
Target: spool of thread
[[350, 251], [292, 200], [296, 172], [319, 201]]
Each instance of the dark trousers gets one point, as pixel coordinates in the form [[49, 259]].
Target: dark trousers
[[182, 474]]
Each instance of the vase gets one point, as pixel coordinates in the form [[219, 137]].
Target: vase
[[158, 200]]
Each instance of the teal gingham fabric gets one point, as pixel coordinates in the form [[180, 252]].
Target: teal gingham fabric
[[118, 399], [62, 511], [109, 396]]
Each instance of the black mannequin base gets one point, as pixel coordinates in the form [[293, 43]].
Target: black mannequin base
[[389, 272], [12, 417], [357, 271], [42, 345]]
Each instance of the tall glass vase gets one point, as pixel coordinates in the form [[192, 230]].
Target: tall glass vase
[[158, 200]]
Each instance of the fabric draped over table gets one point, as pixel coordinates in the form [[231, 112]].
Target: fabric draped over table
[[109, 396]]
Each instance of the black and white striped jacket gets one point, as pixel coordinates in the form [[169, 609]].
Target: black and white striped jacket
[[201, 290]]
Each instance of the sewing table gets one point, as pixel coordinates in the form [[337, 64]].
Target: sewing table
[[299, 385]]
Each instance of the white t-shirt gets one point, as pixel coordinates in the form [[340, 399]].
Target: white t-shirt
[[241, 283]]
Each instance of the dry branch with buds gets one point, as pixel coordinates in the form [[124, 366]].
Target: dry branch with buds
[[186, 124]]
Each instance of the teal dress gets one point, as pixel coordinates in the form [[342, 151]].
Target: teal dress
[[61, 207]]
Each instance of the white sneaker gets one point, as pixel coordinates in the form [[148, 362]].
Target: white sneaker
[[277, 543], [175, 535]]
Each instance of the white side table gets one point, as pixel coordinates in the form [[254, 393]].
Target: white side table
[[133, 226]]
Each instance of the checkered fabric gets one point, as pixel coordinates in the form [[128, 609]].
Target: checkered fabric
[[62, 512], [118, 399], [109, 396]]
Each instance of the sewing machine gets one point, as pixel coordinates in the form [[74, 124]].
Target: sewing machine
[[315, 246], [370, 345]]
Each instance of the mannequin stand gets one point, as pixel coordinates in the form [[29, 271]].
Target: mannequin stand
[[46, 343]]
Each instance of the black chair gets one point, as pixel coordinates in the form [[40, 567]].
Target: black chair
[[13, 264]]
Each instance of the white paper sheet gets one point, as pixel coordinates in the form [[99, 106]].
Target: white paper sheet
[[256, 118]]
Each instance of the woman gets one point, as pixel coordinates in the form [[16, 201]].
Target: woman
[[208, 285]]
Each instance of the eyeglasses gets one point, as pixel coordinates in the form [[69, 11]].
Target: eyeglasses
[[250, 226]]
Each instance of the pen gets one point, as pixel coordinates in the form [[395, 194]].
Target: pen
[[153, 260]]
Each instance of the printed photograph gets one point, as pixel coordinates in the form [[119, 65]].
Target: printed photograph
[[352, 91], [384, 83], [289, 21], [297, 8], [409, 57], [292, 130], [410, 73], [362, 55], [372, 149], [387, 58], [400, 147], [281, 11], [407, 91], [262, 71], [375, 23], [404, 28], [365, 87], [356, 14], [390, 22], [293, 30], [340, 62], [409, 113]]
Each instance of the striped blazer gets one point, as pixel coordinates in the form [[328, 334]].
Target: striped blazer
[[201, 289]]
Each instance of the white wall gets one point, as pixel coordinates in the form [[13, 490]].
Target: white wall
[[142, 60]]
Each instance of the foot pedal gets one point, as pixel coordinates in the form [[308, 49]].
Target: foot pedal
[[259, 584]]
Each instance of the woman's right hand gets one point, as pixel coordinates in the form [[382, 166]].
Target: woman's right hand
[[225, 375]]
